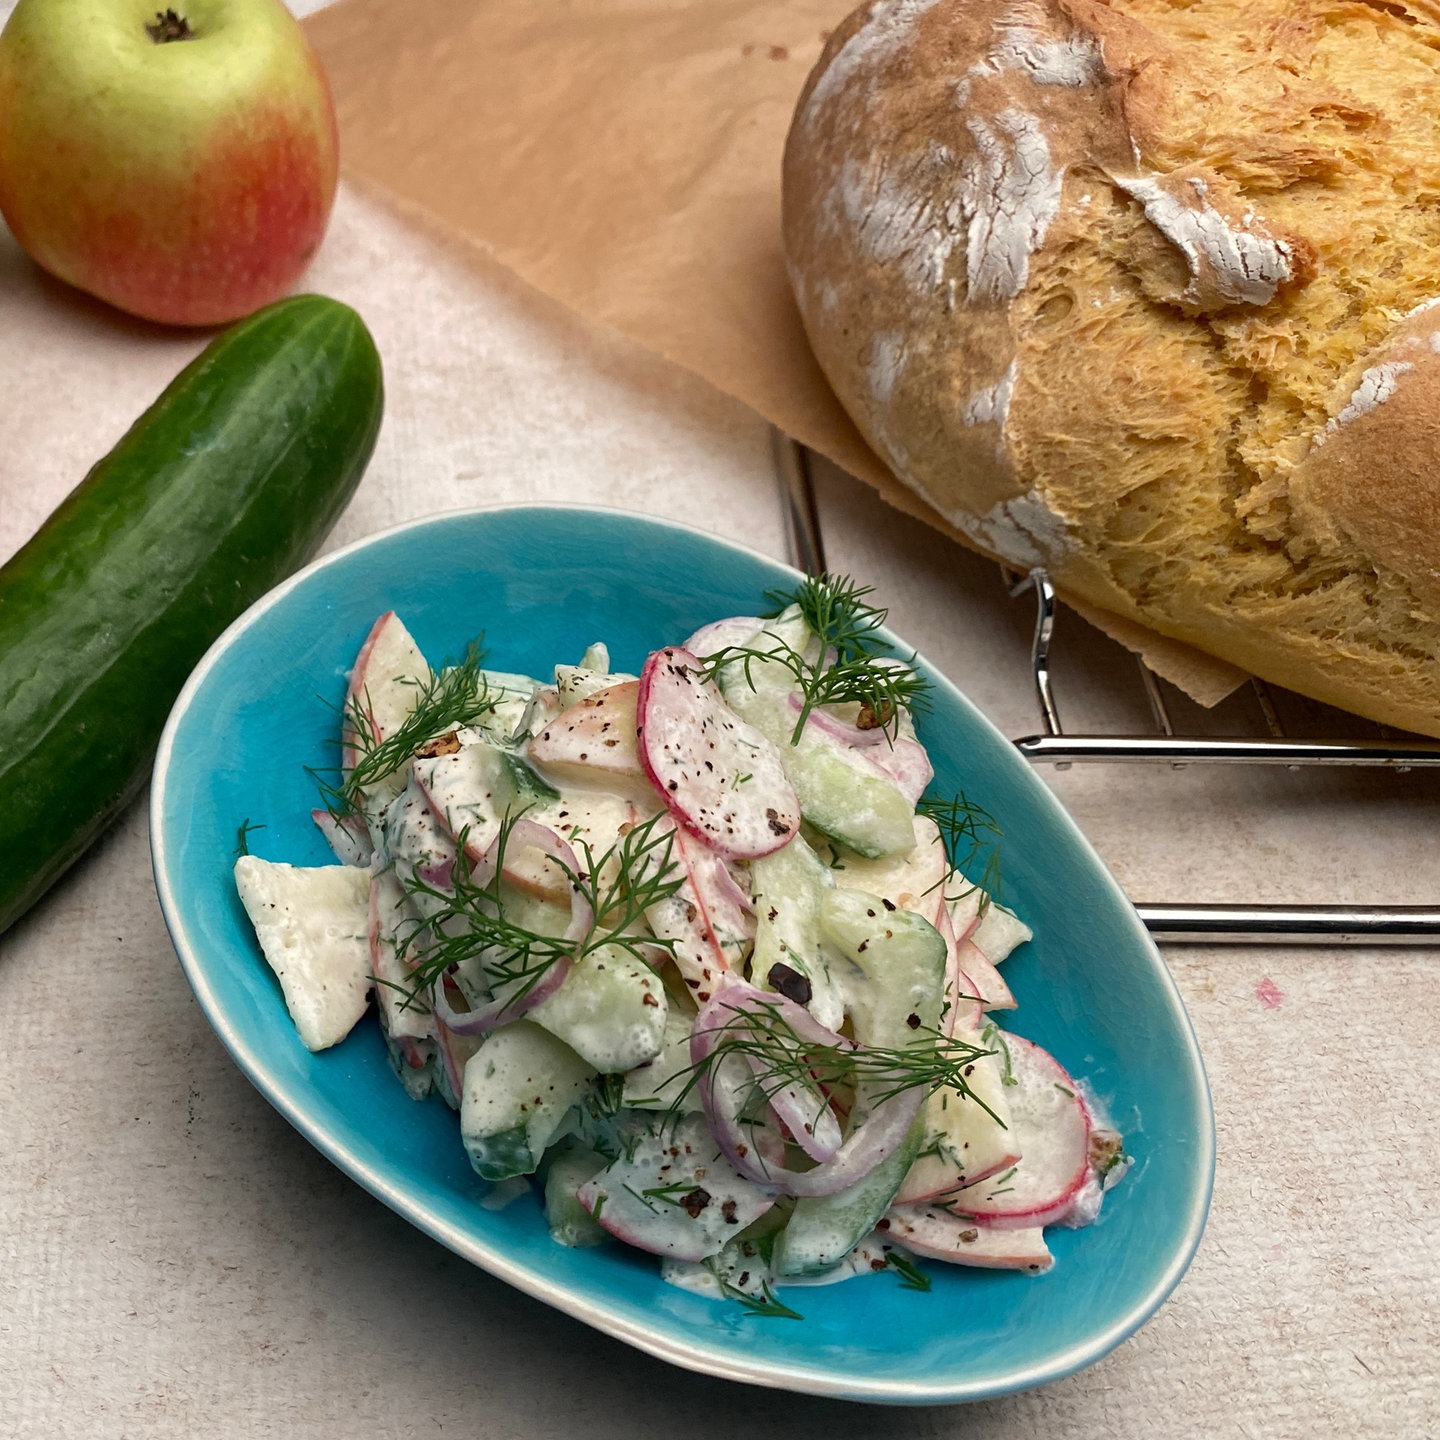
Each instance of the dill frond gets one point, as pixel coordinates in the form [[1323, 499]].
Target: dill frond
[[852, 665]]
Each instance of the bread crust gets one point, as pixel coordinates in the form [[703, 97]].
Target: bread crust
[[1143, 293]]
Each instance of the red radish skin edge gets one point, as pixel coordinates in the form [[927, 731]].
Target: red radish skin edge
[[676, 706], [355, 690], [1057, 1204]]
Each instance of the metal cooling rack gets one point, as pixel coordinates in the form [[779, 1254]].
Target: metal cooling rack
[[1374, 925]]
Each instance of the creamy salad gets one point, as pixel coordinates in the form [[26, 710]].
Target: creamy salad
[[693, 952]]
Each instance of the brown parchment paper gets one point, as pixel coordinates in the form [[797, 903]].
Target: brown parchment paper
[[624, 157]]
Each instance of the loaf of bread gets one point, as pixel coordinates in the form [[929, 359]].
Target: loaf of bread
[[1148, 293]]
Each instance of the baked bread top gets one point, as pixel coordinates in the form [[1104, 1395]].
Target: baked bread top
[[1149, 294]]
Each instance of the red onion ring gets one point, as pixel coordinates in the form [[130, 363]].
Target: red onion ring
[[843, 730], [805, 1113], [497, 1012], [723, 1093], [528, 834]]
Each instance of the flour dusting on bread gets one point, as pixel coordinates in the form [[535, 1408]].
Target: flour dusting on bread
[[1010, 191], [1230, 263]]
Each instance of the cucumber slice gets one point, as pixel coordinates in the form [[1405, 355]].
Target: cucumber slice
[[512, 695], [787, 891], [529, 788], [897, 989], [841, 794], [823, 1230], [667, 1081], [519, 1086], [570, 1222], [610, 1010]]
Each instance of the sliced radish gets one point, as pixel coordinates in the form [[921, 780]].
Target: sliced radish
[[709, 918], [734, 631], [593, 742], [938, 1235], [384, 685], [675, 1194], [721, 778], [1051, 1127]]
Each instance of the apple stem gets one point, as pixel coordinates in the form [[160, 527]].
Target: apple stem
[[169, 26]]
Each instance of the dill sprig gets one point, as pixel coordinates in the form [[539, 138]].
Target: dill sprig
[[969, 833], [242, 837], [781, 1057], [452, 698], [850, 664], [992, 1034], [912, 1277], [764, 1305], [468, 920]]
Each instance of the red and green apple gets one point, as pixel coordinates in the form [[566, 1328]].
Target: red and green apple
[[178, 163]]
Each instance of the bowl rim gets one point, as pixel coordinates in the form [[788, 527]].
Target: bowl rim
[[695, 1354]]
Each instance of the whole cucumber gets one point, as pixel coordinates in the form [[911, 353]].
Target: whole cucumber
[[227, 484]]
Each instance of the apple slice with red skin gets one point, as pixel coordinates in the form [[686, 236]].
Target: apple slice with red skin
[[1051, 1127], [593, 743], [937, 1235], [463, 791], [720, 777], [384, 685], [975, 1140], [455, 1052], [595, 820], [912, 881], [987, 981], [389, 917], [963, 1010]]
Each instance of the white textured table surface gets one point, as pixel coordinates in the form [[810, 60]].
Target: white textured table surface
[[175, 1261]]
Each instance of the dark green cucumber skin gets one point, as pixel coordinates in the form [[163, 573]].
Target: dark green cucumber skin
[[227, 484]]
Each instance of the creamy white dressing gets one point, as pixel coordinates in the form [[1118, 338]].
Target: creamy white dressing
[[668, 1189]]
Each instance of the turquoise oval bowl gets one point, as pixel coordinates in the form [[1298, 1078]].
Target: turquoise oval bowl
[[541, 583]]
